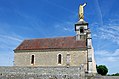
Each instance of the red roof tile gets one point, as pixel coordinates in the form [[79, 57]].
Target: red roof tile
[[51, 43]]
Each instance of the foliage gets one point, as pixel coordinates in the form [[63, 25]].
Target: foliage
[[102, 69], [117, 74]]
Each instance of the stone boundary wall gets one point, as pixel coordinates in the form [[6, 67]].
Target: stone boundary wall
[[42, 70], [15, 72]]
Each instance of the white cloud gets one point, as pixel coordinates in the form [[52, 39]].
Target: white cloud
[[7, 44], [110, 59], [67, 29], [100, 12], [110, 32], [9, 41], [66, 26], [10, 37], [116, 53], [107, 56], [111, 63]]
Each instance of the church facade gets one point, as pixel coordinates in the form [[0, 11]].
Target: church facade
[[72, 51], [62, 51]]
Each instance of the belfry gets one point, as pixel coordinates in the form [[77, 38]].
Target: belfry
[[84, 33]]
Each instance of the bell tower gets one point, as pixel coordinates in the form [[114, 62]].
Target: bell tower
[[81, 30], [81, 26], [84, 33]]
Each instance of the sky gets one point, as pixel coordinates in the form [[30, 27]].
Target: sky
[[27, 19]]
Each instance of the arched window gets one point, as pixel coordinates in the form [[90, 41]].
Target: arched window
[[59, 59], [81, 30], [32, 59]]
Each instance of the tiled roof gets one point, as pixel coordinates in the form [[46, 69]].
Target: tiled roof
[[51, 43]]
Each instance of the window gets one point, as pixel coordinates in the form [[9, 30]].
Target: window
[[81, 30], [32, 59], [82, 37], [89, 59], [68, 60], [59, 59]]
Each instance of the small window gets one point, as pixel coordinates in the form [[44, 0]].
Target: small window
[[32, 59], [59, 59], [68, 60], [82, 37], [90, 59], [81, 30]]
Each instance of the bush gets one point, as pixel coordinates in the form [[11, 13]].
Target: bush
[[102, 69]]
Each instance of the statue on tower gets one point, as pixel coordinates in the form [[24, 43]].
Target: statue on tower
[[81, 11]]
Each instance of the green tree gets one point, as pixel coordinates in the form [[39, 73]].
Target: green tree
[[117, 74], [102, 69]]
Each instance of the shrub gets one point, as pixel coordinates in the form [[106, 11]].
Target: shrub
[[102, 69]]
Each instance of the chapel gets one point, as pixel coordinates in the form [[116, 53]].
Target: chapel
[[71, 51]]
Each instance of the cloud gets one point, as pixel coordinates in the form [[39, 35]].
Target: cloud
[[100, 12], [110, 59], [67, 29], [10, 38], [9, 42], [66, 26], [110, 34], [109, 31], [7, 45], [106, 44], [104, 53], [107, 56]]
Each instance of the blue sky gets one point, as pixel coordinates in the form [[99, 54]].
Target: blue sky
[[26, 19]]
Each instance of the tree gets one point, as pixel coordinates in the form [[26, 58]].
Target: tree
[[102, 69], [117, 74]]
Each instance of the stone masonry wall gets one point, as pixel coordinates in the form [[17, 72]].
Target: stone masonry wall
[[41, 72], [50, 58], [48, 73]]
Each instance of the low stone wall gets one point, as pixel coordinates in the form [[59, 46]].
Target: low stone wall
[[41, 72], [44, 73], [36, 76]]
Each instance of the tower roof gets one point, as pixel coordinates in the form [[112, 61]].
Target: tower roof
[[81, 23], [52, 43]]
